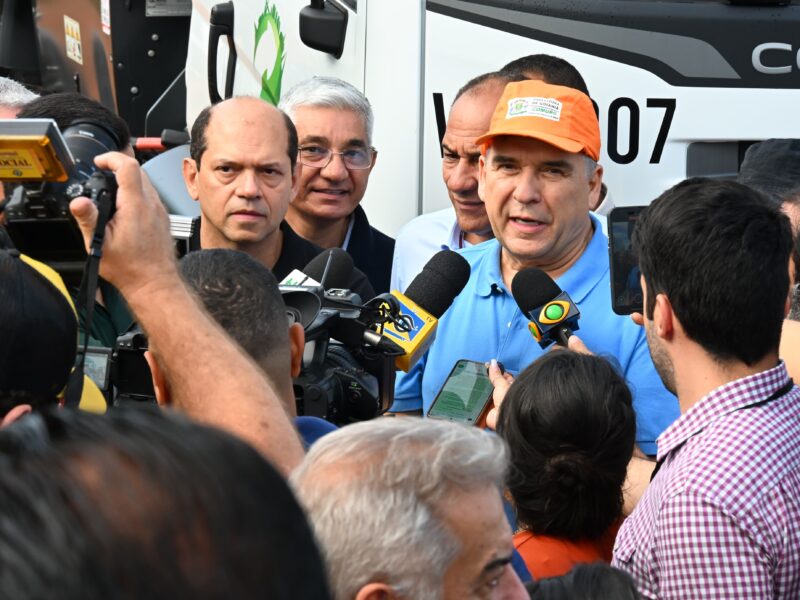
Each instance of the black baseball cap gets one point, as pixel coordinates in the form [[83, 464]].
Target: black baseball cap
[[38, 327]]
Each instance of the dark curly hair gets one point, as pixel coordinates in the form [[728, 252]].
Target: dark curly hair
[[569, 423]]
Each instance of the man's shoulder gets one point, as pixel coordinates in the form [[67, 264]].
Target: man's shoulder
[[742, 456], [381, 241], [480, 252], [438, 224]]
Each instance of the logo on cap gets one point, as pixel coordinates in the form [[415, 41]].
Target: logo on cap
[[546, 108]]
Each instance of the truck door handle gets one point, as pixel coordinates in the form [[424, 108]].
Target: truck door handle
[[323, 26], [221, 23]]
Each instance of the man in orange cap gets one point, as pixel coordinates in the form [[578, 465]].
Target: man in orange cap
[[538, 178]]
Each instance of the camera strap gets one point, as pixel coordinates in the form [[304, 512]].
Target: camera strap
[[88, 291]]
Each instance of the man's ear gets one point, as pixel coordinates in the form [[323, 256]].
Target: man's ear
[[297, 342], [298, 167], [160, 385], [15, 414], [664, 320], [190, 174], [595, 187], [481, 174], [374, 160], [376, 591]]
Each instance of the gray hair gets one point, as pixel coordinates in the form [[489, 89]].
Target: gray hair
[[14, 94], [372, 491], [328, 92]]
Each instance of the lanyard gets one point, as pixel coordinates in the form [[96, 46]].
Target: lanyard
[[782, 391]]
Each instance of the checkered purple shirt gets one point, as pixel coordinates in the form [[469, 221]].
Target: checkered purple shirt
[[721, 519]]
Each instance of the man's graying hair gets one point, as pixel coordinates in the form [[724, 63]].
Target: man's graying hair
[[328, 92], [14, 95], [378, 519]]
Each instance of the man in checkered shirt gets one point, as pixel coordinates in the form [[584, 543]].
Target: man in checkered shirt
[[721, 517]]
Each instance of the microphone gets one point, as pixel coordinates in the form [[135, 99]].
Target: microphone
[[552, 313], [427, 297], [333, 268]]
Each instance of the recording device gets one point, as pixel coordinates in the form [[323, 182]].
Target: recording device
[[553, 315], [347, 373], [626, 288], [466, 395], [427, 297], [43, 171], [352, 349]]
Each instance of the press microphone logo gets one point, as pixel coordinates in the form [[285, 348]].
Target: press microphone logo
[[557, 311]]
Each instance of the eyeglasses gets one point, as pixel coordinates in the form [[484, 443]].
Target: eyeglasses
[[319, 157]]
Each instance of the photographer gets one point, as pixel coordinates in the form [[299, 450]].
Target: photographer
[[111, 315], [227, 390]]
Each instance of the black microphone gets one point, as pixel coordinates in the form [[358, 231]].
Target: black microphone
[[552, 313], [333, 268], [426, 298]]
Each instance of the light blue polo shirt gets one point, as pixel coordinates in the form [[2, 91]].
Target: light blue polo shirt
[[484, 322]]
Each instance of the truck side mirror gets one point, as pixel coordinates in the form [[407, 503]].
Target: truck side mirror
[[323, 27]]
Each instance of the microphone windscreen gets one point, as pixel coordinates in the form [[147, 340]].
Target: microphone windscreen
[[533, 288], [340, 272], [441, 280]]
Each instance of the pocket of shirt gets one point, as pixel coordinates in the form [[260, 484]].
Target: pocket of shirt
[[624, 548]]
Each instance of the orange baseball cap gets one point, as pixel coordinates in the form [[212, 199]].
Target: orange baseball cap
[[561, 116]]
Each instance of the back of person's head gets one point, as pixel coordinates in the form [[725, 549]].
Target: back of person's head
[[38, 333], [371, 490], [719, 251], [551, 69], [772, 167], [328, 92], [485, 82], [586, 582], [242, 295], [65, 108], [141, 504], [13, 96], [569, 424]]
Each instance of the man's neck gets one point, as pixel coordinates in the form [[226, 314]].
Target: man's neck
[[697, 374], [510, 265], [473, 238], [322, 232], [266, 251]]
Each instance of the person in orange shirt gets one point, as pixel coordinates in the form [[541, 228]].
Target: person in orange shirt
[[569, 423]]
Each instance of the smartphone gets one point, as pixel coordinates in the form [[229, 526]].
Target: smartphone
[[626, 289], [465, 396]]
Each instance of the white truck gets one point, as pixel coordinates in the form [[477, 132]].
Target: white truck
[[682, 87]]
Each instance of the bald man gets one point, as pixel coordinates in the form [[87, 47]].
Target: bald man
[[243, 170]]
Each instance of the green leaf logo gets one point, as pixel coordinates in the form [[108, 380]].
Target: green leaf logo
[[271, 80]]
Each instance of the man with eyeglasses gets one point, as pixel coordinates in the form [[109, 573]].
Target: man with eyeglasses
[[334, 127], [243, 170]]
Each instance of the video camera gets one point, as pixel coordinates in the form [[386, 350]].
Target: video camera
[[348, 367], [43, 170]]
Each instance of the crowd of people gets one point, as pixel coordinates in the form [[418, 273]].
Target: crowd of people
[[655, 456]]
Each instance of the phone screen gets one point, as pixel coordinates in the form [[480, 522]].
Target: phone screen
[[626, 289], [464, 395]]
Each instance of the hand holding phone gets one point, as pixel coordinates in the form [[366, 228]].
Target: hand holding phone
[[465, 396]]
